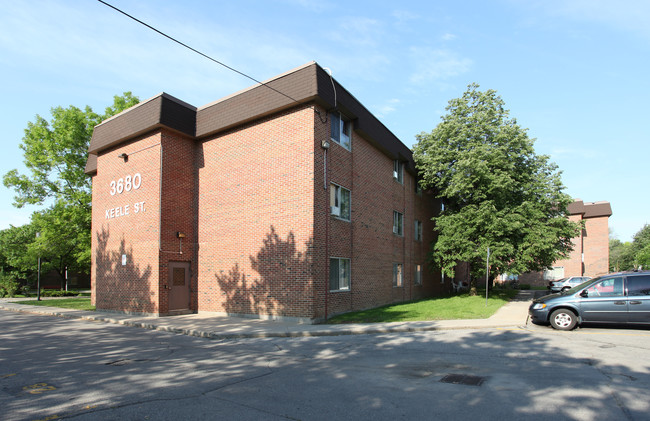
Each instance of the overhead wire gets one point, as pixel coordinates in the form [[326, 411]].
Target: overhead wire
[[195, 50]]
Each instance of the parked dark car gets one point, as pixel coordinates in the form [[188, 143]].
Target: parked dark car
[[615, 298], [567, 283]]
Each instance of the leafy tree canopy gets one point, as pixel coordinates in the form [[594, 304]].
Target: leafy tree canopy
[[55, 154], [630, 256], [496, 191]]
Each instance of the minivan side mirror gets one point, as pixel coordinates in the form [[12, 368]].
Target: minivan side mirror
[[584, 293]]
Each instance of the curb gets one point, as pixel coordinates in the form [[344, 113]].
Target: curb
[[279, 331]]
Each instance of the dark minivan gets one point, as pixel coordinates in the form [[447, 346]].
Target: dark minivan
[[615, 298]]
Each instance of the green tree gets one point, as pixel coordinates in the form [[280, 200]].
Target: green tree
[[620, 255], [496, 191], [55, 154], [641, 248]]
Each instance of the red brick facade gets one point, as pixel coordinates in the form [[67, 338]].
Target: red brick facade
[[242, 199], [590, 255]]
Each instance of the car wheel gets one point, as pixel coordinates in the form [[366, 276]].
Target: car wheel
[[563, 319], [565, 289]]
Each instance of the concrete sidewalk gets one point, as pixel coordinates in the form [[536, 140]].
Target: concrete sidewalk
[[207, 325]]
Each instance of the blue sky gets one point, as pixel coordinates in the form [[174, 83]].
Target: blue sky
[[574, 72]]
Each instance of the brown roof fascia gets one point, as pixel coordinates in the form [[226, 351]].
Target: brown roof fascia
[[364, 122], [597, 209], [298, 86], [590, 210], [309, 83], [162, 110], [91, 164], [576, 208]]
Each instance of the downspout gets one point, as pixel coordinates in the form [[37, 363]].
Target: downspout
[[327, 236]]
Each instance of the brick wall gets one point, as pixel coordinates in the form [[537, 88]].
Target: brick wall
[[255, 217], [125, 223], [253, 203], [368, 239], [178, 212], [596, 246]]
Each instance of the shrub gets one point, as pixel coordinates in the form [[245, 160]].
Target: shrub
[[8, 285], [58, 293]]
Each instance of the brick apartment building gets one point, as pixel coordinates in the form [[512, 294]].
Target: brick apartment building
[[288, 199], [590, 255]]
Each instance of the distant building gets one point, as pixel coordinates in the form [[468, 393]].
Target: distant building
[[590, 255], [284, 200]]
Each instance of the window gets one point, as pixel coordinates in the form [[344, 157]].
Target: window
[[554, 274], [398, 275], [340, 202], [418, 230], [339, 274], [417, 275], [398, 223], [638, 285], [612, 287], [398, 171], [340, 130]]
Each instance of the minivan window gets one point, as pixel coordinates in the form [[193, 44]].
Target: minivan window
[[611, 287], [638, 285], [579, 287]]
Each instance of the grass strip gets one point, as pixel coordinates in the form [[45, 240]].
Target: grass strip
[[75, 303], [461, 306]]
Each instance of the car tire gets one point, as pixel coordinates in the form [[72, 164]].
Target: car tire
[[565, 289], [563, 319]]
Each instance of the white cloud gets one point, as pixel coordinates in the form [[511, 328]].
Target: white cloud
[[448, 37], [358, 31], [434, 65], [625, 15], [387, 108]]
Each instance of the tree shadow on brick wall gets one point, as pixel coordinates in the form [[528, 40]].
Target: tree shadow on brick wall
[[120, 287], [282, 285]]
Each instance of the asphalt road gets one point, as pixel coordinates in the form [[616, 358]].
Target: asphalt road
[[52, 368]]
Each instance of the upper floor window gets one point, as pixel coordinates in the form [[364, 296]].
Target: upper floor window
[[398, 223], [398, 171], [341, 130], [340, 202]]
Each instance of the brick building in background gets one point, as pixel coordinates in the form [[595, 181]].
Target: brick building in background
[[284, 200], [590, 255]]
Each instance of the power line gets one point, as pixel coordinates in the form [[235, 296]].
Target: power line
[[195, 50]]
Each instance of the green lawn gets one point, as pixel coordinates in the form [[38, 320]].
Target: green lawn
[[460, 306], [76, 303]]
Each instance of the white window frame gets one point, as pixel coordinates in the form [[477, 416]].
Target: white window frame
[[398, 275], [343, 274], [418, 230], [417, 275], [340, 202], [398, 223], [341, 130], [398, 171]]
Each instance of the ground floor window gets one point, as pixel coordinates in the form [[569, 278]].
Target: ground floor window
[[417, 275], [339, 274], [398, 275], [553, 274]]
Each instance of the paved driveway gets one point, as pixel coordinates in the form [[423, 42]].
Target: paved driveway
[[72, 369]]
